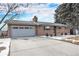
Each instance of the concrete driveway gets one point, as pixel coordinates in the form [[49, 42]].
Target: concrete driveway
[[36, 46]]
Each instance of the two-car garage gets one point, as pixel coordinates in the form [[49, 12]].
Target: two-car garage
[[22, 31]]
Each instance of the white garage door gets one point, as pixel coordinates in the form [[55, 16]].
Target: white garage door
[[22, 31]]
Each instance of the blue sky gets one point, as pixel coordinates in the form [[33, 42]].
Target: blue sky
[[44, 16], [44, 12]]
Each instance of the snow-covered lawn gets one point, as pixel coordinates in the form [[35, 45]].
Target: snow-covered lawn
[[68, 38], [63, 37], [4, 46]]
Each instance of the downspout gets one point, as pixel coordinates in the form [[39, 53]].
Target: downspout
[[36, 31], [55, 31]]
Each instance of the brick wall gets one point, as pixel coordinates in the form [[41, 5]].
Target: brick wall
[[42, 31], [62, 31], [59, 31]]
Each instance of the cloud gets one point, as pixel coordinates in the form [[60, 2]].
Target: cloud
[[44, 11]]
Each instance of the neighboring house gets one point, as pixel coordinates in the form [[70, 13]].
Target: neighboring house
[[34, 28]]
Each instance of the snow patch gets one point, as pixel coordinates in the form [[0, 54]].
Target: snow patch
[[63, 37], [6, 44]]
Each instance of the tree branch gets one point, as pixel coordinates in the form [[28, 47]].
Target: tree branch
[[10, 9], [9, 19]]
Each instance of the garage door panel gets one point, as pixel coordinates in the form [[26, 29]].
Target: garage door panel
[[23, 32]]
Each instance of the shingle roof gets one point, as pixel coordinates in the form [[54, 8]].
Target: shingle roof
[[33, 23]]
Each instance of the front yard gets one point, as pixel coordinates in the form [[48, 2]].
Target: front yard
[[67, 38], [40, 46]]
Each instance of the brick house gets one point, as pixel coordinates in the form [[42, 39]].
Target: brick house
[[34, 28]]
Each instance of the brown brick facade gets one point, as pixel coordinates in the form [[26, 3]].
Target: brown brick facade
[[59, 31], [62, 31], [41, 31]]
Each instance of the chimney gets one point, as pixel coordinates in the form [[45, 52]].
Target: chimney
[[35, 19]]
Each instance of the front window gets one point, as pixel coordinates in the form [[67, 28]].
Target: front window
[[46, 27]]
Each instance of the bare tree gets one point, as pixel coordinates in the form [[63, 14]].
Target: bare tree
[[10, 7], [13, 16]]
